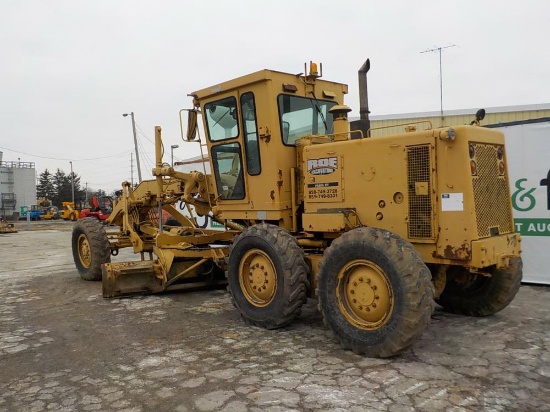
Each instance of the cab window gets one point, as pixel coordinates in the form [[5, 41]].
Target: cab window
[[300, 116], [250, 132], [221, 119], [228, 171]]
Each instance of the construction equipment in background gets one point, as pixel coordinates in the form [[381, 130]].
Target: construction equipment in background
[[47, 210], [101, 207], [375, 228], [69, 212], [34, 212], [43, 202], [6, 227], [51, 213]]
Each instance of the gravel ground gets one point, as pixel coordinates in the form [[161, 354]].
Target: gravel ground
[[64, 348]]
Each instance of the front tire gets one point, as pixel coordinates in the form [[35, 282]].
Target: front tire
[[90, 248], [375, 293], [478, 295], [267, 276]]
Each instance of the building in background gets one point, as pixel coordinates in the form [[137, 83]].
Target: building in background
[[384, 125], [17, 186]]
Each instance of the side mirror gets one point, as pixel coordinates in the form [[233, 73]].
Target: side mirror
[[480, 115], [191, 125]]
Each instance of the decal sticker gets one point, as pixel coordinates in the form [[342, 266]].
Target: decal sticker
[[324, 166], [317, 191], [452, 202]]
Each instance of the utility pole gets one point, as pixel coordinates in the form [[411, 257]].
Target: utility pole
[[439, 49], [72, 180], [132, 169], [135, 143], [86, 195]]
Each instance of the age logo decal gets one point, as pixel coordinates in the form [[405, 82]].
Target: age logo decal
[[324, 166]]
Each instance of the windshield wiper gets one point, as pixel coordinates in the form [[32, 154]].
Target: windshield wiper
[[316, 105]]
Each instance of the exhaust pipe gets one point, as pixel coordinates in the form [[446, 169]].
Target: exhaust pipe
[[363, 93], [363, 123]]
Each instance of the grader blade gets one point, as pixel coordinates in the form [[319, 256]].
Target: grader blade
[[130, 278], [145, 277]]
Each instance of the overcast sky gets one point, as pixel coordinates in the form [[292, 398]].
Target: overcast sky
[[71, 68]]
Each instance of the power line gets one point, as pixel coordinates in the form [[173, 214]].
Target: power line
[[144, 134], [60, 158], [439, 49], [145, 158]]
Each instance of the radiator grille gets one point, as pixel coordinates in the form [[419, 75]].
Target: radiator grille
[[491, 193], [420, 205]]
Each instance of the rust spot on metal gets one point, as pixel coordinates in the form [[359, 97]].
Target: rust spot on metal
[[272, 195], [279, 179], [461, 253], [279, 183], [513, 240]]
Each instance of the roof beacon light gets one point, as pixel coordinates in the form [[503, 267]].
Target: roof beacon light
[[313, 69]]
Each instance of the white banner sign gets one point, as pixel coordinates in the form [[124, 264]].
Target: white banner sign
[[528, 153]]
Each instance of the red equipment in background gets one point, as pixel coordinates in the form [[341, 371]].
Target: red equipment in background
[[101, 207]]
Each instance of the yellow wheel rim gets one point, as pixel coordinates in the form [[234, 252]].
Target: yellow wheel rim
[[365, 296], [257, 278], [84, 251]]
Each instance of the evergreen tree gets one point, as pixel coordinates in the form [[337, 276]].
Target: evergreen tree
[[79, 192], [58, 188], [45, 187], [63, 188]]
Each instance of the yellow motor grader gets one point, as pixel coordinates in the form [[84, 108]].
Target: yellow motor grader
[[377, 228]]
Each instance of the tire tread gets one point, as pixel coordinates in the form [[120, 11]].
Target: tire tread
[[416, 283], [295, 275], [99, 245]]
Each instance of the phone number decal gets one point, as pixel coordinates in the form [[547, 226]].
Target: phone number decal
[[330, 193]]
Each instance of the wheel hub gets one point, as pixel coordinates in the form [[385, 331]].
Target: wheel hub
[[257, 277], [364, 294], [84, 251]]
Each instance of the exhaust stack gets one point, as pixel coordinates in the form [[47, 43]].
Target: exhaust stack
[[363, 123]]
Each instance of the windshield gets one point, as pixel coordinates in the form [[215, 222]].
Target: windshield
[[300, 116]]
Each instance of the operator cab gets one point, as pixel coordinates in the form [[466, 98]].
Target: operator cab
[[252, 125]]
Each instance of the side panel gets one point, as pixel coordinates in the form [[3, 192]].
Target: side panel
[[381, 179], [440, 194], [473, 191]]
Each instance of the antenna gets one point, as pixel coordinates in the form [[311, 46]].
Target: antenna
[[438, 49]]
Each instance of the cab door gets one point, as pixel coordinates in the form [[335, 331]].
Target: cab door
[[232, 133]]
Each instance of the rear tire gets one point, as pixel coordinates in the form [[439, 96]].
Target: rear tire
[[72, 217], [90, 248], [478, 295], [375, 293], [267, 276]]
